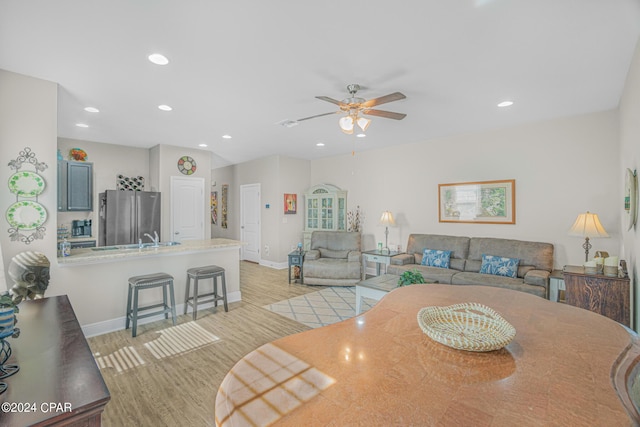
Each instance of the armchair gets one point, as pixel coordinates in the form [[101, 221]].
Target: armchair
[[334, 259]]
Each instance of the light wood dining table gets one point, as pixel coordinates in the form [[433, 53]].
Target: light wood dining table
[[565, 366]]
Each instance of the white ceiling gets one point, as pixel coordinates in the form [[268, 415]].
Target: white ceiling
[[239, 66]]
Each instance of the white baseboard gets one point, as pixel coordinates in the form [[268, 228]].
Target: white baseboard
[[112, 325], [276, 265]]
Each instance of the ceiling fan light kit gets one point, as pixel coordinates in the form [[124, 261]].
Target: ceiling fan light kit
[[354, 107]]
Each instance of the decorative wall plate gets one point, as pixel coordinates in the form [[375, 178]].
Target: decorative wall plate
[[631, 198], [26, 184], [186, 165], [26, 215]]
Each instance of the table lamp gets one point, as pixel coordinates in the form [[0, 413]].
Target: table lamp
[[587, 225], [387, 220]]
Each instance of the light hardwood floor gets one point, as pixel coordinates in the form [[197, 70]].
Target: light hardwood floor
[[180, 390]]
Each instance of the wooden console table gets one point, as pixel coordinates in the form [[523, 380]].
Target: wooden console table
[[605, 295], [57, 370]]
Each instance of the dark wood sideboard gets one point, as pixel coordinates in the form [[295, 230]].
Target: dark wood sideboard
[[605, 295], [57, 370]]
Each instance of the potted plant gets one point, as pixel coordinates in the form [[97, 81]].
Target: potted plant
[[410, 277]]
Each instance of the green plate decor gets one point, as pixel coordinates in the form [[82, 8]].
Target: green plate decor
[[26, 184], [187, 165], [26, 215]]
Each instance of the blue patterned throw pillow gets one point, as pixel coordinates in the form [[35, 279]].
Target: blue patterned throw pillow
[[499, 266], [435, 258]]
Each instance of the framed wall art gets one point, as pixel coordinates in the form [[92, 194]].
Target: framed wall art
[[223, 205], [484, 202], [214, 207], [290, 203], [631, 198]]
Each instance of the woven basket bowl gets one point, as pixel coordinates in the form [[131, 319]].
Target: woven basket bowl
[[466, 326]]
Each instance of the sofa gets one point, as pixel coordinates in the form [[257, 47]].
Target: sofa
[[333, 259], [466, 261]]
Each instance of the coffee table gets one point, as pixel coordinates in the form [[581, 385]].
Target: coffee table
[[377, 287]]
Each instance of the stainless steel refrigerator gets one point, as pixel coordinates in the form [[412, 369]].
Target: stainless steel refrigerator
[[125, 216]]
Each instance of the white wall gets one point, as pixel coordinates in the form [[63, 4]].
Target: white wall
[[109, 161], [630, 158], [28, 118], [167, 166], [276, 175], [561, 167]]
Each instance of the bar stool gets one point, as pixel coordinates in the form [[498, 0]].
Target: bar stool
[[149, 281], [199, 273]]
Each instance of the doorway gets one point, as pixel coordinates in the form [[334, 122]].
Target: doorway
[[187, 208], [250, 221]]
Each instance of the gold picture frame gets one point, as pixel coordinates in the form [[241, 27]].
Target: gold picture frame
[[482, 202]]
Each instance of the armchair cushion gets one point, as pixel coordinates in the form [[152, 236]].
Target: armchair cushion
[[332, 253]]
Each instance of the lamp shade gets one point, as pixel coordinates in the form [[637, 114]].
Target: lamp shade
[[387, 218], [346, 124], [588, 225], [363, 123]]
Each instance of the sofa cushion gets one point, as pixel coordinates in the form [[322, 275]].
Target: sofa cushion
[[436, 258], [458, 245], [440, 275], [332, 253], [499, 266], [537, 254], [331, 268], [468, 278]]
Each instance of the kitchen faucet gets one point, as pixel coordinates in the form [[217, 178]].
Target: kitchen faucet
[[156, 240]]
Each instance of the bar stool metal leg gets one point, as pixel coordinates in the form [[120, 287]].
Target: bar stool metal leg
[[186, 294]]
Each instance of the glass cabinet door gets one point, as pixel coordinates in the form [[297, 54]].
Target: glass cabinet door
[[326, 208]]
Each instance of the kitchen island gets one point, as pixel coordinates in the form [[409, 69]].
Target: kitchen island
[[96, 278]]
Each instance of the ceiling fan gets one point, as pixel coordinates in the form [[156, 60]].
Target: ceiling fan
[[354, 107]]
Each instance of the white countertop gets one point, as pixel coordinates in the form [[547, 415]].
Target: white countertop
[[85, 256]]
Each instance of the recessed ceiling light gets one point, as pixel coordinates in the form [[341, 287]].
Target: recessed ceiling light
[[226, 136], [158, 59], [92, 109], [505, 104], [202, 145], [164, 107], [361, 135], [82, 125], [320, 144]]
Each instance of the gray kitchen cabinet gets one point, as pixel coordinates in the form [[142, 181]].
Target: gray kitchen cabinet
[[75, 186]]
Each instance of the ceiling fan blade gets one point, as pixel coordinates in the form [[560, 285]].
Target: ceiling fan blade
[[383, 99], [318, 115], [385, 114], [331, 100]]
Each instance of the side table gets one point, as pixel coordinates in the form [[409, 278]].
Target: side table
[[556, 284], [296, 258], [379, 257], [605, 295]]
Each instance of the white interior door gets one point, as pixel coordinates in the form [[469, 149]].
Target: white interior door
[[250, 221], [187, 208]]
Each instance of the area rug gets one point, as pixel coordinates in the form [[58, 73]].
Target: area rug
[[321, 308]]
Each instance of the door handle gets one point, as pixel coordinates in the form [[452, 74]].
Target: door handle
[[176, 233]]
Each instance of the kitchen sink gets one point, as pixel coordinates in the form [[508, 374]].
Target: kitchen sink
[[135, 246]]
